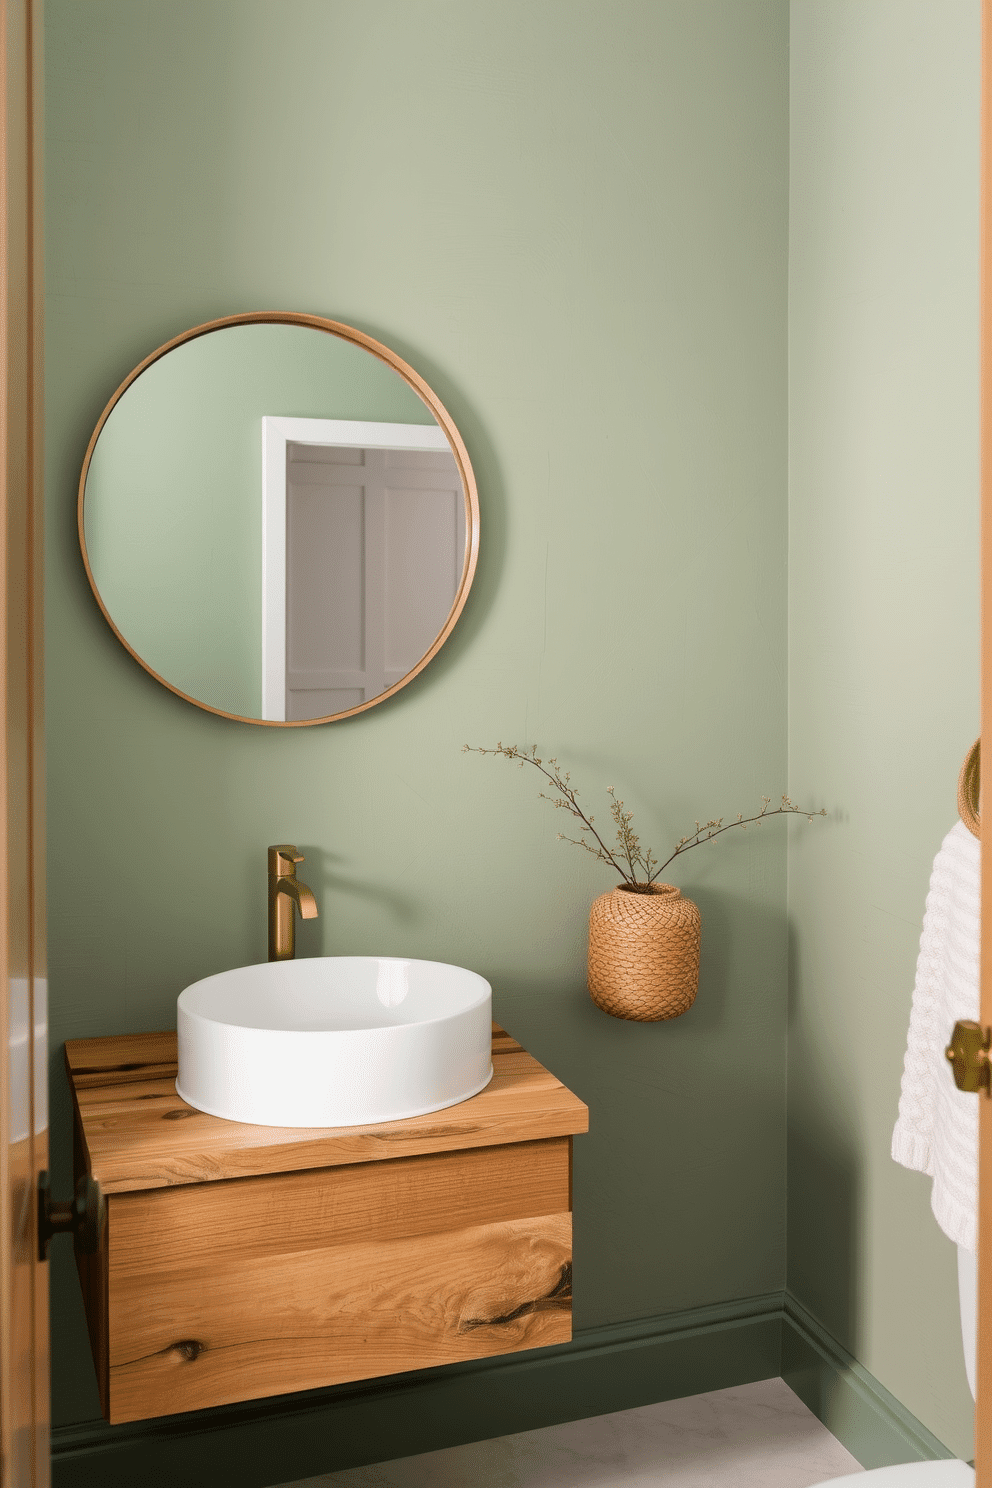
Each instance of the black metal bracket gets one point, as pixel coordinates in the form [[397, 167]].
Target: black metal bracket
[[83, 1216]]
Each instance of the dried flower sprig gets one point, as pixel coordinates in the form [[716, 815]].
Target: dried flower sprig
[[630, 856]]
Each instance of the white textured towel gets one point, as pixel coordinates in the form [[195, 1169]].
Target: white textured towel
[[937, 1129]]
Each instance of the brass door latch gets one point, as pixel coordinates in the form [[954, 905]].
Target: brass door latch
[[968, 1056]]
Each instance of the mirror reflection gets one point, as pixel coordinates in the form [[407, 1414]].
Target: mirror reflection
[[275, 522]]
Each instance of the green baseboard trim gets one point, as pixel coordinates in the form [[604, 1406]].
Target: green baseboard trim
[[861, 1413], [287, 1437], [616, 1367]]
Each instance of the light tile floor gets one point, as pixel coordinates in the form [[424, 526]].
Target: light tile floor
[[752, 1436]]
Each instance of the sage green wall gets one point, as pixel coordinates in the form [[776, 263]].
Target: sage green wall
[[883, 634], [174, 493], [571, 219]]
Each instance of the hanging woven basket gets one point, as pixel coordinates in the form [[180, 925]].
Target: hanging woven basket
[[644, 953]]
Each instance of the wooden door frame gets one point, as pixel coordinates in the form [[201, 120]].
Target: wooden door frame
[[24, 1344], [983, 1410]]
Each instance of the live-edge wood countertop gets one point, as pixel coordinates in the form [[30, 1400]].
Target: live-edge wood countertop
[[138, 1133]]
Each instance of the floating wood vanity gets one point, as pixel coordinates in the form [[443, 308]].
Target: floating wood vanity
[[244, 1261]]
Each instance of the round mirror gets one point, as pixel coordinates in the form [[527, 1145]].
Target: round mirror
[[278, 519]]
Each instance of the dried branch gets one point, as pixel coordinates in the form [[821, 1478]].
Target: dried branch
[[631, 855], [713, 829], [566, 799]]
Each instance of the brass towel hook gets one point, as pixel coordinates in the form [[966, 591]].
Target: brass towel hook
[[969, 782]]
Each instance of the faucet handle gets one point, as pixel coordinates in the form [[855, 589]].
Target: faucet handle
[[282, 856]]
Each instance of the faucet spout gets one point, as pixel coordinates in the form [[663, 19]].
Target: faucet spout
[[301, 896], [286, 893]]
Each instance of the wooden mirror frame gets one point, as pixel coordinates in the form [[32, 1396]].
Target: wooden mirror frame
[[427, 396]]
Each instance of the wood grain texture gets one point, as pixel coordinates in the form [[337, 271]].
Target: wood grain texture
[[139, 1134], [121, 1059], [246, 1261], [281, 1214], [194, 1337]]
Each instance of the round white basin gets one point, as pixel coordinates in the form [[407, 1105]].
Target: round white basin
[[334, 1040]]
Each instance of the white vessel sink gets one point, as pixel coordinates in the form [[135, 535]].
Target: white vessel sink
[[334, 1040]]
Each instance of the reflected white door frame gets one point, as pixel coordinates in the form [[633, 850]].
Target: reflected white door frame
[[277, 434]]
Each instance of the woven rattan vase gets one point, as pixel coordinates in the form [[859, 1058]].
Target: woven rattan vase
[[644, 953]]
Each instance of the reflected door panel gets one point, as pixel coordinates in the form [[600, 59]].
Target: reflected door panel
[[375, 543]]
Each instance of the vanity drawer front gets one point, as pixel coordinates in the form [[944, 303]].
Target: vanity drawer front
[[235, 1290]]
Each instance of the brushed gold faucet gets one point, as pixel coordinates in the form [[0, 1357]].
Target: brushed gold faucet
[[285, 891]]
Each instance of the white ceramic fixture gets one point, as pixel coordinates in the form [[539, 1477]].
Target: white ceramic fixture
[[334, 1040], [910, 1475]]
